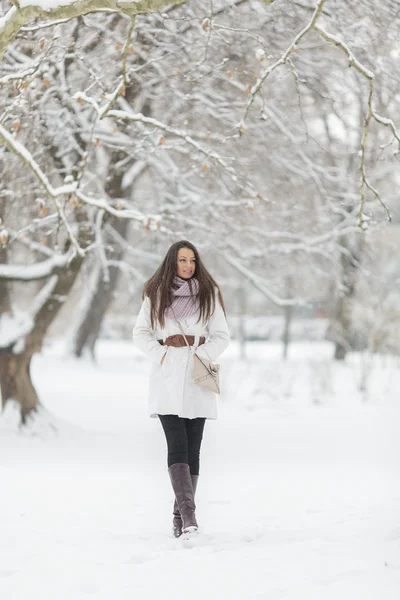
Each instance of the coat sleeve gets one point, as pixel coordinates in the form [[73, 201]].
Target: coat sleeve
[[218, 334], [144, 336]]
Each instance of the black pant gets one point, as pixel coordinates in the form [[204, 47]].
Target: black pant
[[183, 440]]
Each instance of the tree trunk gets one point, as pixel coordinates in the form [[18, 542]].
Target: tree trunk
[[100, 294], [342, 325], [341, 328], [15, 378], [16, 383], [4, 284], [287, 316], [242, 322], [98, 302]]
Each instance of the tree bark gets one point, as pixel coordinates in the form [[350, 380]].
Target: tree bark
[[16, 383], [343, 311]]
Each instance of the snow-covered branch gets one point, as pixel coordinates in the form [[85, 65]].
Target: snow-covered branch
[[18, 75], [207, 152], [27, 10], [259, 284], [353, 62], [26, 157], [371, 113], [40, 270], [282, 60], [126, 115]]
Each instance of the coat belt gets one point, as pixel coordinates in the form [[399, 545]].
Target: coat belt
[[178, 340]]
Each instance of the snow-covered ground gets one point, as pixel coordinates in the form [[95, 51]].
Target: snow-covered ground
[[298, 497]]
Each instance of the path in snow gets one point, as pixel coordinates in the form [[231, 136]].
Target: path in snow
[[296, 501]]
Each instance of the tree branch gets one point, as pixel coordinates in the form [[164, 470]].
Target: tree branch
[[36, 271], [256, 88], [16, 18], [260, 285], [371, 114], [26, 157]]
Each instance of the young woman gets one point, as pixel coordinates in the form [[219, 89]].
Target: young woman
[[181, 295]]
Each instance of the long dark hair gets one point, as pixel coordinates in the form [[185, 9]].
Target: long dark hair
[[159, 287]]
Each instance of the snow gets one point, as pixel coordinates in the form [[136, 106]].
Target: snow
[[40, 270], [45, 4], [14, 328], [52, 4], [298, 497], [8, 18]]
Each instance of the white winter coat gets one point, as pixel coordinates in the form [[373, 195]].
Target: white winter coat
[[172, 389]]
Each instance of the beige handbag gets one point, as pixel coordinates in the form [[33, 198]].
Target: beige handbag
[[206, 372]]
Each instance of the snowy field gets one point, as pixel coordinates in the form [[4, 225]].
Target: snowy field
[[298, 497]]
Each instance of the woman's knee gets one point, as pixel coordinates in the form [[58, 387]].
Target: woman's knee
[[177, 457]]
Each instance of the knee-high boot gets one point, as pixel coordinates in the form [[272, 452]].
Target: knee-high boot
[[183, 487], [177, 519]]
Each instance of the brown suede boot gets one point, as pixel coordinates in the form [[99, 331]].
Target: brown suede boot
[[183, 488], [177, 519]]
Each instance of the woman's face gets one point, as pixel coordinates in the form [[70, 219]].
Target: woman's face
[[186, 263]]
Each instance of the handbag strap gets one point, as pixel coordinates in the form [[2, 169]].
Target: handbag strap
[[183, 333]]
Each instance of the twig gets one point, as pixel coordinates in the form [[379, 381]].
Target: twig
[[257, 86], [371, 113]]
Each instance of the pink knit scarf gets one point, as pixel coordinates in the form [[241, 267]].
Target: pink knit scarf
[[184, 303]]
